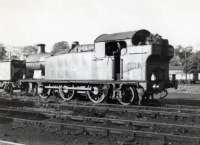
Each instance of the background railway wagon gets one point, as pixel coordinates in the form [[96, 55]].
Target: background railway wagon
[[11, 72]]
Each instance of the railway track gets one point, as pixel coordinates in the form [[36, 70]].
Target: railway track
[[23, 96], [141, 113], [169, 124], [164, 107], [137, 113], [88, 125], [171, 113], [189, 130]]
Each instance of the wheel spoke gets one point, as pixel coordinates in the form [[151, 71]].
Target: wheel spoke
[[66, 95], [43, 93], [126, 95], [97, 95]]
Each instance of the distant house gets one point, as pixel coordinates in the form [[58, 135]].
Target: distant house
[[180, 74]]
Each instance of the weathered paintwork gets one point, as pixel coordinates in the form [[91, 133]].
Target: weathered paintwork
[[134, 62], [78, 66], [92, 66]]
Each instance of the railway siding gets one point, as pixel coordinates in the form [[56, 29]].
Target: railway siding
[[166, 125]]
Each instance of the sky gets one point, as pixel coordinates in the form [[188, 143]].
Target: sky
[[28, 22]]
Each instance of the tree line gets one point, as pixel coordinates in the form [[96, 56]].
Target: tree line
[[188, 59], [183, 56], [24, 51]]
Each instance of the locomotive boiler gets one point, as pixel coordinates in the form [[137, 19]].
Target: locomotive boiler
[[123, 66], [35, 67]]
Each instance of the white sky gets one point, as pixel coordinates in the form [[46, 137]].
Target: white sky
[[24, 22]]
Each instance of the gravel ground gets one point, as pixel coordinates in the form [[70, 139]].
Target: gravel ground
[[32, 135], [182, 99], [186, 89], [185, 95]]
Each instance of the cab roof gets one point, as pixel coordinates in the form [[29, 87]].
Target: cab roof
[[121, 36]]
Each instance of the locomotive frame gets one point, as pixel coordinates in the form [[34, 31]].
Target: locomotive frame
[[126, 92]]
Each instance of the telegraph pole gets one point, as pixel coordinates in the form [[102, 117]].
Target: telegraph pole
[[186, 69]]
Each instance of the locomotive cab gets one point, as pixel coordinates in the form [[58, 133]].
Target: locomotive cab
[[138, 56], [113, 48]]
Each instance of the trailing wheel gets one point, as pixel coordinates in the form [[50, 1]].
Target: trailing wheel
[[126, 95], [163, 94], [97, 94], [66, 94]]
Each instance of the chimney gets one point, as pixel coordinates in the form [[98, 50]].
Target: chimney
[[74, 44], [41, 48]]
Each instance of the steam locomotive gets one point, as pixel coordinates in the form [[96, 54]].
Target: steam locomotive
[[129, 67]]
